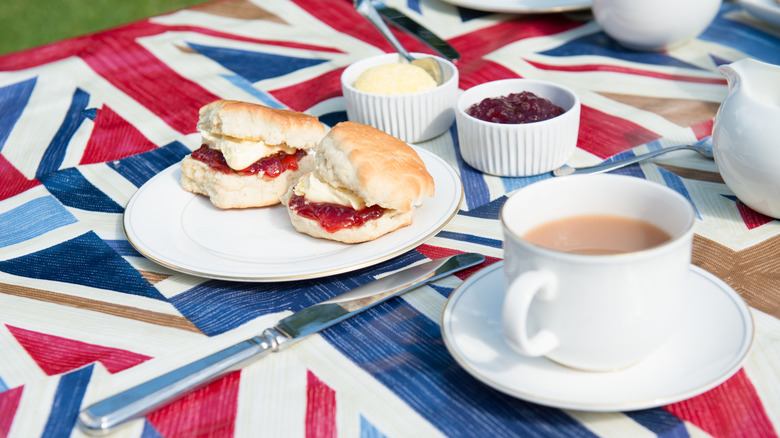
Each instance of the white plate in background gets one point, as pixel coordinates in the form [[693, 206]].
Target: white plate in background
[[523, 6], [766, 10]]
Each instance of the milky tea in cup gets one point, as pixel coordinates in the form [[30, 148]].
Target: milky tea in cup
[[594, 269]]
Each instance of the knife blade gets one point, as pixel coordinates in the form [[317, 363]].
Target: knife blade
[[398, 19], [102, 417]]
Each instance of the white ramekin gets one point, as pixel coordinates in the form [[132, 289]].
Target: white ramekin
[[518, 149], [412, 117]]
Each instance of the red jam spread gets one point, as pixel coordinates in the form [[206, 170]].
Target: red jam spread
[[525, 107], [334, 217], [271, 166]]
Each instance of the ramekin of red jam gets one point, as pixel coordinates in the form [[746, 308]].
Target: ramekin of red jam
[[523, 107], [517, 127]]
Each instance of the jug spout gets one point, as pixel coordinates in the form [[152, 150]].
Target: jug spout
[[752, 75], [731, 74]]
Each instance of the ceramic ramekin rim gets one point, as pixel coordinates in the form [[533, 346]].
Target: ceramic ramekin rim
[[460, 107], [453, 70]]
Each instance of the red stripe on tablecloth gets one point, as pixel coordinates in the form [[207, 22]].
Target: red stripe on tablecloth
[[489, 39], [732, 409], [472, 46], [57, 355], [120, 59], [13, 182], [342, 17], [79, 46], [320, 408], [207, 412], [435, 252], [626, 70], [138, 73], [9, 402], [703, 130], [604, 135], [304, 95], [752, 218], [113, 138], [481, 70]]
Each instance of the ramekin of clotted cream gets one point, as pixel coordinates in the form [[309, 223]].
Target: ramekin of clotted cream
[[415, 112], [394, 79]]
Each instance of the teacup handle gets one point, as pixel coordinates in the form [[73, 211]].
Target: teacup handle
[[514, 316]]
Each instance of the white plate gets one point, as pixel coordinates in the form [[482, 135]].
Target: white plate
[[767, 10], [523, 6], [186, 233], [708, 349]]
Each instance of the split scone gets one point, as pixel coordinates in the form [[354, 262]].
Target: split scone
[[251, 153], [366, 183]]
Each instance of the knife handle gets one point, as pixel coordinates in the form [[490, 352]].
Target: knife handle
[[102, 417], [401, 21]]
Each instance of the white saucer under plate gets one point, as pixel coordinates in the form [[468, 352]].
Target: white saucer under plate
[[709, 347], [186, 233], [523, 6]]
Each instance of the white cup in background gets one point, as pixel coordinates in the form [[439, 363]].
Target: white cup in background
[[654, 24], [586, 311]]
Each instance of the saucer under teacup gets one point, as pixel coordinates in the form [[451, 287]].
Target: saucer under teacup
[[709, 347]]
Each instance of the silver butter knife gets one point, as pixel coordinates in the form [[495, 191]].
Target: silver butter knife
[[102, 417], [398, 19]]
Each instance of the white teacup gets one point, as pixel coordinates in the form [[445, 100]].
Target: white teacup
[[654, 24], [596, 312]]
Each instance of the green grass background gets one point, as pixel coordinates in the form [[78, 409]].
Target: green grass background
[[31, 23]]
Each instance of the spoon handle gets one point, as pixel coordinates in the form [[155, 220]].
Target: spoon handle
[[368, 10], [617, 164]]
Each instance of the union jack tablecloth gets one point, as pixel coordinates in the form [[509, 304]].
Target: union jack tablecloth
[[86, 121]]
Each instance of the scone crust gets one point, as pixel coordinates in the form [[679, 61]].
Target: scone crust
[[256, 122], [238, 191], [378, 167]]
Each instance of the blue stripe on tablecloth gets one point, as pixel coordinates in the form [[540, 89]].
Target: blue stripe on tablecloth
[[476, 190], [149, 431], [490, 210], [676, 183], [493, 243], [411, 4], [368, 430], [512, 184], [55, 152], [71, 188], [3, 386], [600, 45], [443, 291], [742, 37], [218, 306], [123, 248], [255, 66], [141, 167], [31, 219], [265, 98], [67, 402], [84, 260], [404, 350], [13, 100], [661, 422]]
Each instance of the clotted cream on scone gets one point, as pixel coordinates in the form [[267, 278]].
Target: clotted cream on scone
[[366, 183], [250, 154]]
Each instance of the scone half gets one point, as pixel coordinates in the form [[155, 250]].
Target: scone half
[[251, 153], [366, 184]]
